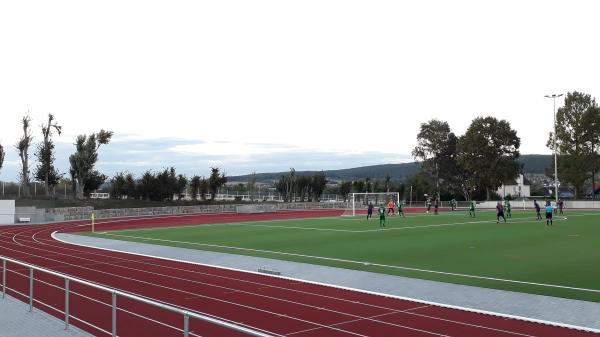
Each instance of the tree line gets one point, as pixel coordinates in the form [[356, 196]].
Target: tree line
[[293, 187], [166, 185], [82, 162]]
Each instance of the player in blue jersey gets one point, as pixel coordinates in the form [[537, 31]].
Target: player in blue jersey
[[549, 213]]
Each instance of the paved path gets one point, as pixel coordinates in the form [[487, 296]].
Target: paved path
[[17, 321], [566, 311]]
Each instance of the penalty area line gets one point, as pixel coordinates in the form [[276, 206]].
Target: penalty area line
[[364, 263]]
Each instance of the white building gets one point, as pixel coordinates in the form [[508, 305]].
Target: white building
[[516, 188]]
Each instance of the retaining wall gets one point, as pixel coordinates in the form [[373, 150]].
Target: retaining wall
[[81, 213]]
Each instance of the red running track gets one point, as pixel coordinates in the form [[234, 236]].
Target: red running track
[[275, 305]]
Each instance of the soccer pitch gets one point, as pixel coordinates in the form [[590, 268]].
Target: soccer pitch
[[522, 255]]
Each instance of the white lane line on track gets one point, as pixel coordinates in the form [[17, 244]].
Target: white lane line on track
[[456, 322], [397, 311], [237, 304], [349, 289]]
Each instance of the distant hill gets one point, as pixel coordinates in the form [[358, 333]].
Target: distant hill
[[533, 164]]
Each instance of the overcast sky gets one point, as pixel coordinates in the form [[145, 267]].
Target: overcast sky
[[265, 85]]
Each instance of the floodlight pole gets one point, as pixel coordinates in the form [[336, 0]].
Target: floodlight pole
[[554, 96]]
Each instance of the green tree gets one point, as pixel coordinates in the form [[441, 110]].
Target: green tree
[[203, 188], [488, 151], [195, 186], [358, 186], [215, 181], [84, 160], [434, 141], [118, 183], [345, 189], [45, 171], [251, 185], [23, 148], [1, 157], [182, 183], [577, 138], [318, 184]]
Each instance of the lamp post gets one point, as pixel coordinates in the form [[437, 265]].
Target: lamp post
[[554, 96]]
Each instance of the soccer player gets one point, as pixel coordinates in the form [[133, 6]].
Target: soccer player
[[390, 206], [400, 210], [549, 211], [436, 205], [500, 212], [381, 216], [453, 204], [508, 208], [537, 210], [472, 209], [560, 206], [428, 204], [370, 211]]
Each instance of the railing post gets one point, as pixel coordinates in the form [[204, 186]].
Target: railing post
[[114, 314], [66, 303], [3, 279], [30, 289], [186, 324]]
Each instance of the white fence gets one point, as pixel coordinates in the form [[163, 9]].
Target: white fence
[[115, 294]]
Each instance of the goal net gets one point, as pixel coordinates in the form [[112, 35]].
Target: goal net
[[359, 202]]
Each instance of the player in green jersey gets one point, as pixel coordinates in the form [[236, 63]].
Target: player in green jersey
[[508, 208], [400, 209], [453, 204], [381, 216], [472, 209]]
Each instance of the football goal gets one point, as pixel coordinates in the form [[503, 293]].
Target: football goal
[[359, 202]]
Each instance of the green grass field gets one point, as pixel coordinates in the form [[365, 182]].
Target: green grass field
[[523, 255]]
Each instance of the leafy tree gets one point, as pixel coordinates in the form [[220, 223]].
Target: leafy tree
[[434, 144], [195, 186], [345, 189], [488, 151], [45, 170], [422, 184], [215, 181], [118, 185], [577, 138], [94, 180], [23, 148], [318, 183], [182, 183], [358, 186], [387, 182], [84, 160], [251, 186], [1, 156], [204, 187], [304, 187]]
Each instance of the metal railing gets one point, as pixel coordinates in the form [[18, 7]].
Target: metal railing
[[115, 293]]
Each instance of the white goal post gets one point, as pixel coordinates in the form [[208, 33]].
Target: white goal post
[[362, 200]]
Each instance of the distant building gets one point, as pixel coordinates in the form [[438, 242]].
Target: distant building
[[521, 187]]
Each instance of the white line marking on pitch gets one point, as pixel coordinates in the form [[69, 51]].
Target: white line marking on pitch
[[359, 262]]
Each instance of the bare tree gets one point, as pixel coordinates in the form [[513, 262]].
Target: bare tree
[[23, 148]]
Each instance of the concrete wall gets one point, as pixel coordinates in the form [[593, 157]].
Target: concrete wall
[[7, 212], [81, 213]]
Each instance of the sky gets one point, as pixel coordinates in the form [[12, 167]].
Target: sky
[[267, 85]]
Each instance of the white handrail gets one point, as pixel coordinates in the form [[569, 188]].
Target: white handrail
[[115, 292]]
